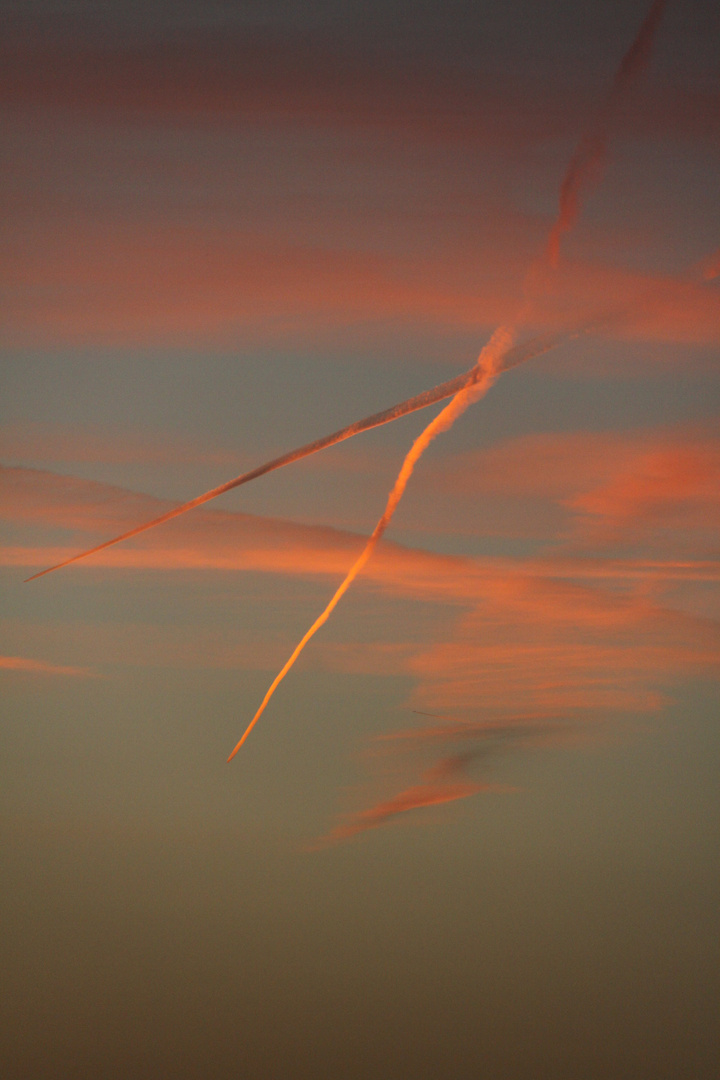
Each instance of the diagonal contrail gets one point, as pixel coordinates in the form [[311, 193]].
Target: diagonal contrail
[[588, 159], [514, 356], [586, 165]]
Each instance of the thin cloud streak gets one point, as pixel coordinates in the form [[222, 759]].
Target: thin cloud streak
[[117, 285], [405, 571], [658, 487], [432, 792], [657, 494], [588, 476], [259, 77], [570, 634]]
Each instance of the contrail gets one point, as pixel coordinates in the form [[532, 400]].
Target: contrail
[[586, 165], [487, 372], [514, 356], [587, 158]]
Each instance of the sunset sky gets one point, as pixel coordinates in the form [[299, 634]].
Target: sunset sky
[[475, 832]]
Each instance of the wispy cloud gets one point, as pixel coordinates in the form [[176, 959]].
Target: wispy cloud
[[126, 284], [588, 161], [656, 488], [565, 630], [665, 493], [30, 666], [448, 778]]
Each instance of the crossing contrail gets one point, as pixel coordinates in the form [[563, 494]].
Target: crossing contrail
[[519, 354], [582, 170], [487, 369], [587, 159]]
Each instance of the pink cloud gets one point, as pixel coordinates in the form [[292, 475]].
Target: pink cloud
[[671, 486], [417, 797], [121, 283], [257, 76], [31, 666], [659, 486], [557, 632], [446, 779]]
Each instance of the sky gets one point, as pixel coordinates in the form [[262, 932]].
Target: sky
[[474, 833]]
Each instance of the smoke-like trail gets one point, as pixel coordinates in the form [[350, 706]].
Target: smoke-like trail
[[586, 165], [487, 367]]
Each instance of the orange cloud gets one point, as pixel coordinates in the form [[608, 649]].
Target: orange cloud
[[221, 540], [658, 485], [155, 284], [565, 649], [413, 798], [630, 480], [670, 309], [671, 486], [204, 539], [34, 495]]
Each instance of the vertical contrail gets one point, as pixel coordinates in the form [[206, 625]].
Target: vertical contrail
[[488, 364], [586, 165]]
